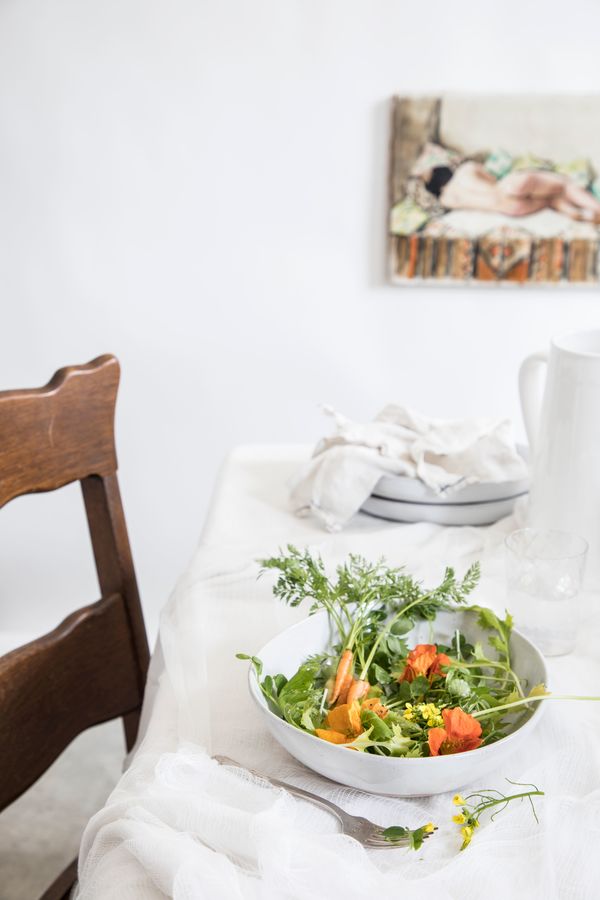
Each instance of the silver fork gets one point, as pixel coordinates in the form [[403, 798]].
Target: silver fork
[[362, 830]]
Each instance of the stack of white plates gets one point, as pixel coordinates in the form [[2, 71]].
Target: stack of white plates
[[404, 499]]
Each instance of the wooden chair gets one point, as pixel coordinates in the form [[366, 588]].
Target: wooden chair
[[93, 666]]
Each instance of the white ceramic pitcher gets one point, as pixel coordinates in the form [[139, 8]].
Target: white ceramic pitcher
[[564, 437]]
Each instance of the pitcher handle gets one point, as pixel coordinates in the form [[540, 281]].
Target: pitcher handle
[[531, 392]]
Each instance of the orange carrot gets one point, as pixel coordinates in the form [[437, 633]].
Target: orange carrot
[[357, 690], [345, 688], [343, 668]]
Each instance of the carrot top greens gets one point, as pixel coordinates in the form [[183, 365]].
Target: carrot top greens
[[370, 604]]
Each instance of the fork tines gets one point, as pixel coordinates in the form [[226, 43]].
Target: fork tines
[[376, 841]]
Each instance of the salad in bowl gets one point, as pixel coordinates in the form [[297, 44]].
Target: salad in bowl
[[425, 690]]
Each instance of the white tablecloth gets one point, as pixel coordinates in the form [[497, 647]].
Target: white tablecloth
[[166, 831]]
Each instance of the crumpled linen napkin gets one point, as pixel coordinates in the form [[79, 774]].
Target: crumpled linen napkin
[[445, 454]]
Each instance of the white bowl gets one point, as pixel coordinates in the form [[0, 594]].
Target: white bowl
[[387, 775], [484, 513]]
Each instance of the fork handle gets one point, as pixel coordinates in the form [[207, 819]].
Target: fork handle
[[291, 788]]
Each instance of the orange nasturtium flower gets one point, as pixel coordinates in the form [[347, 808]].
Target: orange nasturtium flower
[[343, 721], [424, 660], [460, 732]]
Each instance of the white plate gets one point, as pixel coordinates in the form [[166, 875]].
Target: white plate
[[412, 490], [386, 775], [440, 513]]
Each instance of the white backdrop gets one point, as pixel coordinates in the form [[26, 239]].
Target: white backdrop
[[199, 187]]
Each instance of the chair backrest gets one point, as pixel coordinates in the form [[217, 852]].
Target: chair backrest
[[93, 666]]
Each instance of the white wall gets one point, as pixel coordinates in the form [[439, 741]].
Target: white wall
[[199, 187]]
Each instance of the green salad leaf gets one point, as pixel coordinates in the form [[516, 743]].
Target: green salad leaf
[[300, 698]]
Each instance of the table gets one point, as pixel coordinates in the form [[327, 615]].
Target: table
[[175, 826]]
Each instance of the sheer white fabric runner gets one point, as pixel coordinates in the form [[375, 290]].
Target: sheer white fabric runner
[[178, 825]]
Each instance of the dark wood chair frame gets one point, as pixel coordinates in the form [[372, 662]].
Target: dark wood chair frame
[[93, 666]]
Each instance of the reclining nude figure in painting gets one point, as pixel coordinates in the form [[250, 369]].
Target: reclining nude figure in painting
[[472, 186]]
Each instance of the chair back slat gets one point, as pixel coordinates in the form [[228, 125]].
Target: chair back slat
[[61, 432], [81, 674]]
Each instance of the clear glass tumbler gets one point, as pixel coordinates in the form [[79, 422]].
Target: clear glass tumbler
[[544, 571]]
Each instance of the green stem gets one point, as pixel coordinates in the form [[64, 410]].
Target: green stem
[[386, 630], [357, 623], [489, 664], [360, 655], [336, 619], [495, 709], [349, 618], [490, 803], [457, 639], [517, 682], [489, 678]]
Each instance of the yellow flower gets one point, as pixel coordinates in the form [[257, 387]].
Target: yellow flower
[[429, 827], [458, 800], [431, 714], [409, 712], [460, 819], [467, 834]]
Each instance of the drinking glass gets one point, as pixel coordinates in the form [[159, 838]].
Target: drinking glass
[[544, 571]]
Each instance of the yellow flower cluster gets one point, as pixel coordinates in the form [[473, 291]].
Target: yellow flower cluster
[[469, 822], [428, 712], [470, 811]]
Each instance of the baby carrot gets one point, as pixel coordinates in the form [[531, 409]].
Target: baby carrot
[[345, 688], [343, 669], [357, 690]]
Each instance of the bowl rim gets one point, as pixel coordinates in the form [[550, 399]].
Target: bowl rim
[[261, 702], [413, 490], [483, 503]]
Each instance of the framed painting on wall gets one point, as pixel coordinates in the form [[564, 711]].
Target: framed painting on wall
[[495, 190]]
